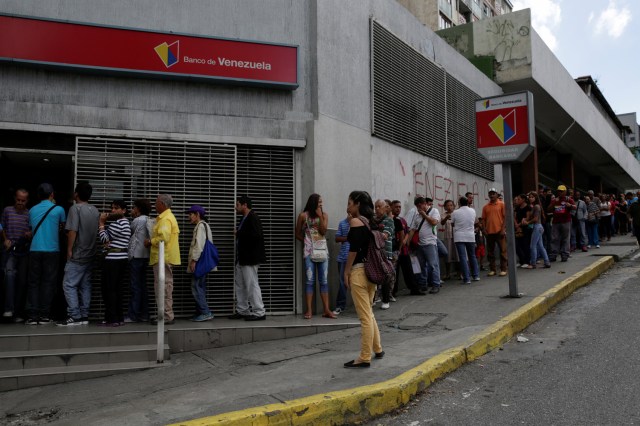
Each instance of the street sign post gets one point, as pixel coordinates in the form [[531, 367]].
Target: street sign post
[[505, 134]]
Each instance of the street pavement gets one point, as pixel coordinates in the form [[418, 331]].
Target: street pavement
[[215, 381], [579, 366]]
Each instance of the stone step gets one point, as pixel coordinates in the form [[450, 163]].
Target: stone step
[[49, 358], [20, 379], [80, 337]]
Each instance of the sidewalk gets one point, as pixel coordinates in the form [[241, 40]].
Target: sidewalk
[[423, 337]]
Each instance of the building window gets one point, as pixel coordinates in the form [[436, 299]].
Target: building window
[[444, 22], [486, 11]]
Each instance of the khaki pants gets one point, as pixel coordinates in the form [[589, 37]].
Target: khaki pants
[[362, 293], [168, 289], [501, 240]]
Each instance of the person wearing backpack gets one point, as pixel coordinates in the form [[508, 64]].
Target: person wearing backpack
[[355, 279], [201, 233]]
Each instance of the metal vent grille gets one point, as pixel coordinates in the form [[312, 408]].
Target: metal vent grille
[[408, 96], [266, 175], [461, 130], [192, 173], [411, 106]]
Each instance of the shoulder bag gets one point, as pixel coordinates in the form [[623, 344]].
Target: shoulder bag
[[209, 257], [319, 250]]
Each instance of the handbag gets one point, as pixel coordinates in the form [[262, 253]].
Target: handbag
[[209, 258], [319, 249], [415, 240], [377, 266]]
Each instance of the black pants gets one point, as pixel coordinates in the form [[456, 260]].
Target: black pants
[[523, 247], [43, 276], [112, 289], [404, 265]]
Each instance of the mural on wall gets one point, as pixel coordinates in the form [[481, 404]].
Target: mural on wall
[[506, 37]]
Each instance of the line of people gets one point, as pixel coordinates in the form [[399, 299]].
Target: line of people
[[32, 254]]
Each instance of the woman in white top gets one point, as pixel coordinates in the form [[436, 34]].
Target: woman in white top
[[463, 220], [605, 218]]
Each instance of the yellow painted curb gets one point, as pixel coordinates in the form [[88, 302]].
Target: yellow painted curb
[[352, 405]]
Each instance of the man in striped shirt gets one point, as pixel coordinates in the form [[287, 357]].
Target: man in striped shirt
[[15, 256], [82, 226]]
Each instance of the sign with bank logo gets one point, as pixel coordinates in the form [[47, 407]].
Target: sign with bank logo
[[505, 127], [108, 50]]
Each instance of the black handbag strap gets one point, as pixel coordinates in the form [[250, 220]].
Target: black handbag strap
[[42, 220]]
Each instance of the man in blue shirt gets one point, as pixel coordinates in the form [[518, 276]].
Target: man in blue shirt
[[341, 237], [46, 220]]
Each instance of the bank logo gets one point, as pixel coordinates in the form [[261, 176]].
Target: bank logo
[[504, 127], [486, 104], [169, 53]]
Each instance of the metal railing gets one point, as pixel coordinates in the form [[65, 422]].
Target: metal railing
[[160, 296]]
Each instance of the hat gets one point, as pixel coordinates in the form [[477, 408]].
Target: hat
[[198, 209], [562, 188], [493, 190]]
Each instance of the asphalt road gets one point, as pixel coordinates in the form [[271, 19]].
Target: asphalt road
[[580, 366]]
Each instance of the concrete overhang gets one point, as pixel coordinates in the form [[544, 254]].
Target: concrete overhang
[[569, 120]]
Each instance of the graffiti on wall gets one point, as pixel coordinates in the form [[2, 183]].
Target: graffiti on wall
[[506, 37], [430, 183]]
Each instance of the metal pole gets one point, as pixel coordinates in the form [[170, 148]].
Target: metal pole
[[511, 233], [160, 299]]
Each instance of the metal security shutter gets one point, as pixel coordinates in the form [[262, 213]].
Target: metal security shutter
[[266, 175], [193, 174], [461, 130], [417, 105]]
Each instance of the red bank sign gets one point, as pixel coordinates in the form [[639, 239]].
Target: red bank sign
[[505, 127], [110, 50]]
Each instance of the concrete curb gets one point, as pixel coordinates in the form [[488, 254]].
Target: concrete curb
[[361, 403]]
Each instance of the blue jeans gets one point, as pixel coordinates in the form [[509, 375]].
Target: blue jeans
[[316, 268], [466, 254], [139, 299], [592, 233], [430, 258], [15, 282], [77, 288], [536, 245], [199, 292], [341, 299], [43, 273]]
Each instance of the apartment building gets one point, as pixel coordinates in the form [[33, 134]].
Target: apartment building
[[441, 14]]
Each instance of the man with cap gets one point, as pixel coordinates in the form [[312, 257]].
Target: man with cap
[[425, 223], [45, 219], [494, 224], [561, 208], [201, 233]]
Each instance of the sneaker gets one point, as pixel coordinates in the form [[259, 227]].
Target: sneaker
[[392, 299], [584, 249], [85, 320], [69, 321], [384, 306], [467, 282], [337, 311], [44, 320], [377, 299], [597, 245], [202, 317], [588, 247], [129, 320], [475, 279], [524, 265], [503, 273], [18, 320], [31, 321], [492, 273], [7, 314]]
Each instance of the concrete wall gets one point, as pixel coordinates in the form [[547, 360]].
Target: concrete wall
[[164, 109], [344, 147], [631, 120]]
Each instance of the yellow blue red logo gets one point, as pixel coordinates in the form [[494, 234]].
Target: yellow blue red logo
[[504, 127], [169, 53], [487, 104]]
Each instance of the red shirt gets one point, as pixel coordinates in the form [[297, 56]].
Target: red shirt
[[562, 209]]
